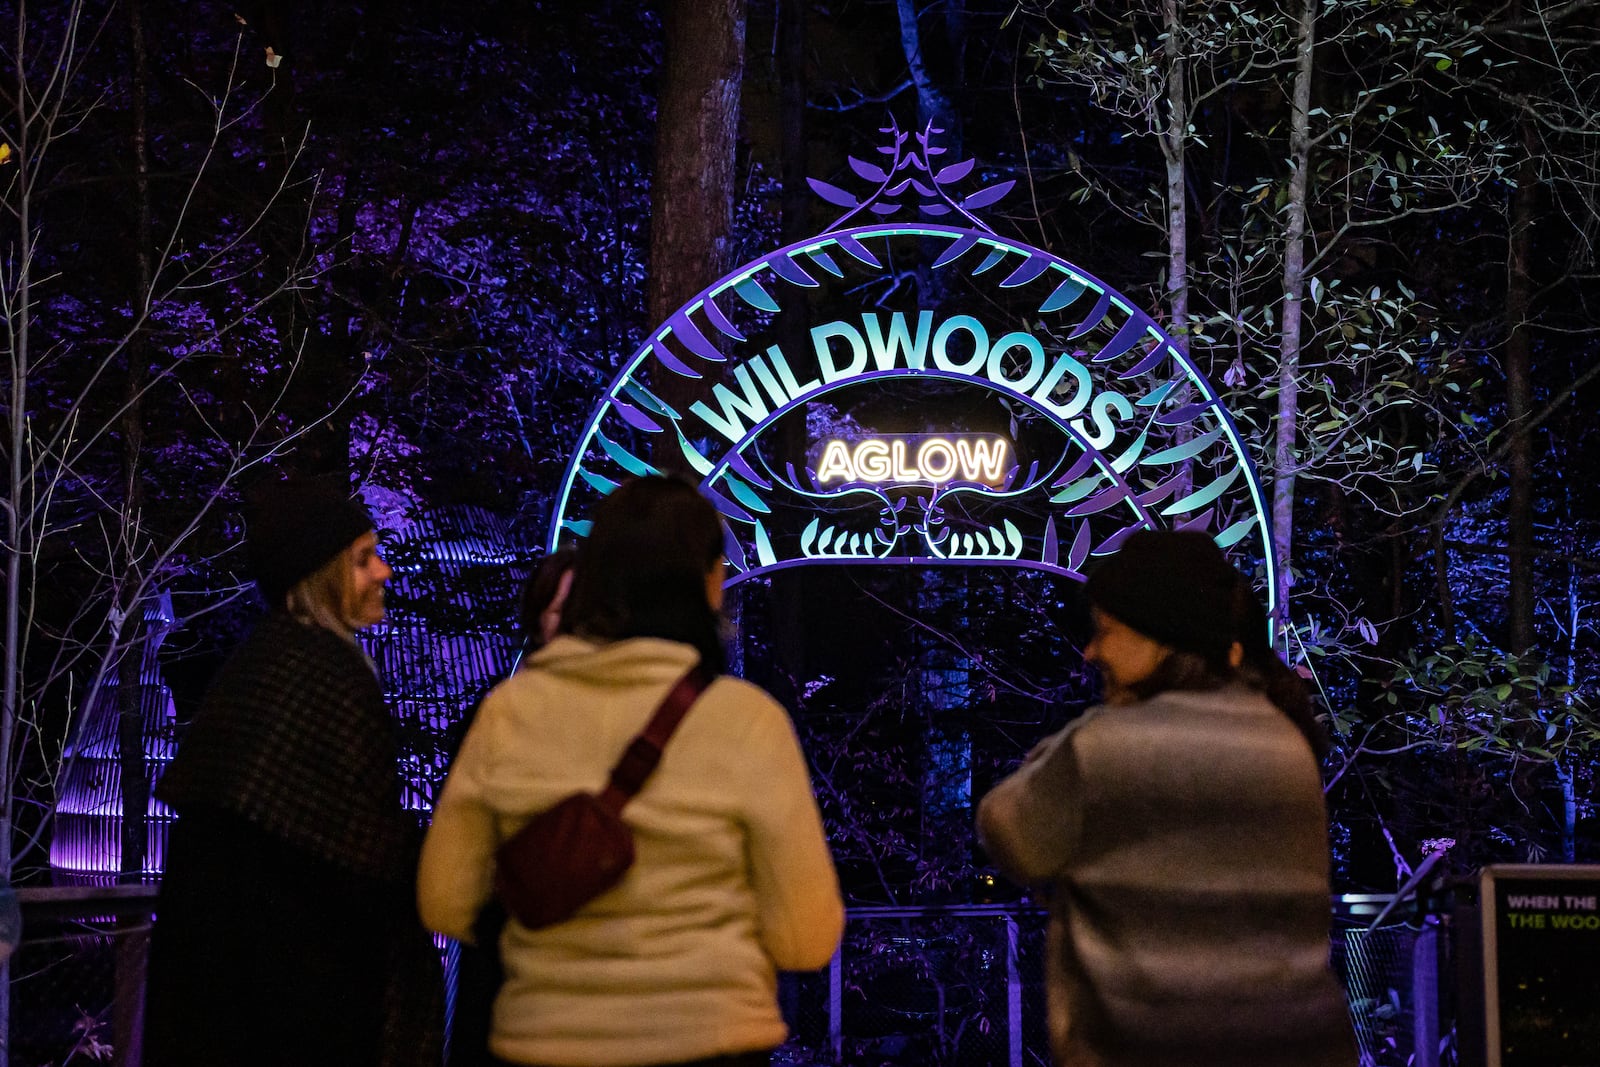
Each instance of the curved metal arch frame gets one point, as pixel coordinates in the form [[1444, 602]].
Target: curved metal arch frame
[[792, 264]]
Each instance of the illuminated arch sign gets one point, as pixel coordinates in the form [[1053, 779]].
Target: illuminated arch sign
[[1018, 412]]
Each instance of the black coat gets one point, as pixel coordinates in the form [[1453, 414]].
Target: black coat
[[287, 931], [263, 954]]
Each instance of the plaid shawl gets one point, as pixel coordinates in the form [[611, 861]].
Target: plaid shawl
[[294, 736]]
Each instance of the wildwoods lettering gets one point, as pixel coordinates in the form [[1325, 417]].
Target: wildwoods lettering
[[960, 345]]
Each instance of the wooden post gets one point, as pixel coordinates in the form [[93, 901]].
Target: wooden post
[[132, 935]]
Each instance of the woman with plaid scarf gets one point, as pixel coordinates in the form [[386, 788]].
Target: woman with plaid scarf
[[286, 931]]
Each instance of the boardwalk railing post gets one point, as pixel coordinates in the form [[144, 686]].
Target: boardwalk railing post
[[1013, 993], [836, 1005], [131, 937], [1425, 996]]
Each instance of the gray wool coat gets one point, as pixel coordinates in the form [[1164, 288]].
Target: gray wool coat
[[1184, 843]]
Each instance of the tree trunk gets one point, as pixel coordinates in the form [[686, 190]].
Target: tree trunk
[[1519, 357], [933, 97], [786, 594], [1173, 143], [132, 770], [18, 503], [17, 351], [935, 111], [1285, 460], [792, 118], [691, 199]]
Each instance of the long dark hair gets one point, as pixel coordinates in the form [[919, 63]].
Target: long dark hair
[[1185, 671], [1265, 672], [538, 594], [641, 572]]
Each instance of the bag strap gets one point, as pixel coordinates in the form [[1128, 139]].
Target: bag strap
[[643, 753]]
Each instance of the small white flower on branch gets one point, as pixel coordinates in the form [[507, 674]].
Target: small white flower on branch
[[273, 58]]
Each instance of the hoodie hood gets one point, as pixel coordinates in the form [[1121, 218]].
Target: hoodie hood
[[616, 665]]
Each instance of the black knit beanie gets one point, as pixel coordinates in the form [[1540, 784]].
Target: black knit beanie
[[292, 528], [1174, 586]]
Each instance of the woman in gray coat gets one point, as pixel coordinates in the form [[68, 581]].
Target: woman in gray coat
[[1180, 829]]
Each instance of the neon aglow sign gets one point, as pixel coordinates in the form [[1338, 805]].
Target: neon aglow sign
[[938, 460], [922, 392]]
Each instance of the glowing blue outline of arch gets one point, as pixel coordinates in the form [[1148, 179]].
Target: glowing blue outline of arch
[[857, 234]]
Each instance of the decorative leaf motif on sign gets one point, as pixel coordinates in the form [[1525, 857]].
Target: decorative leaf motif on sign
[[634, 416], [985, 197], [750, 292], [700, 463], [994, 257], [897, 185], [764, 552], [720, 320], [1052, 549], [1080, 548], [1114, 542], [832, 193], [1030, 269], [1091, 320], [870, 171], [625, 459], [687, 333], [1144, 440], [746, 496]]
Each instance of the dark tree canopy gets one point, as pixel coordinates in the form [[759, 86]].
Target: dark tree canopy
[[455, 255]]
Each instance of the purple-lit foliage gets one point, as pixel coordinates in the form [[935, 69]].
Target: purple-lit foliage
[[151, 349], [480, 232]]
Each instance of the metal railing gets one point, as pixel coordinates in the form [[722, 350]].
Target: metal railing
[[965, 985], [910, 985], [960, 984]]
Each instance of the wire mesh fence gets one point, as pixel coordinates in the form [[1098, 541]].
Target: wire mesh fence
[[949, 985], [77, 978], [1385, 969]]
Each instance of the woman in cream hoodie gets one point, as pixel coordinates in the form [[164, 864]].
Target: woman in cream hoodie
[[732, 879]]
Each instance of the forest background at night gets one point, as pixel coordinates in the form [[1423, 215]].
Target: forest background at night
[[410, 244]]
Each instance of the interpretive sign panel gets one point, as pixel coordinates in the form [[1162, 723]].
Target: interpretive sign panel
[[1541, 965]]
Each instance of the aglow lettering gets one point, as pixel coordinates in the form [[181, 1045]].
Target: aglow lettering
[[914, 459]]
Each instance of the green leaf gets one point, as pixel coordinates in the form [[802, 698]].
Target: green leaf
[[764, 546], [746, 495]]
